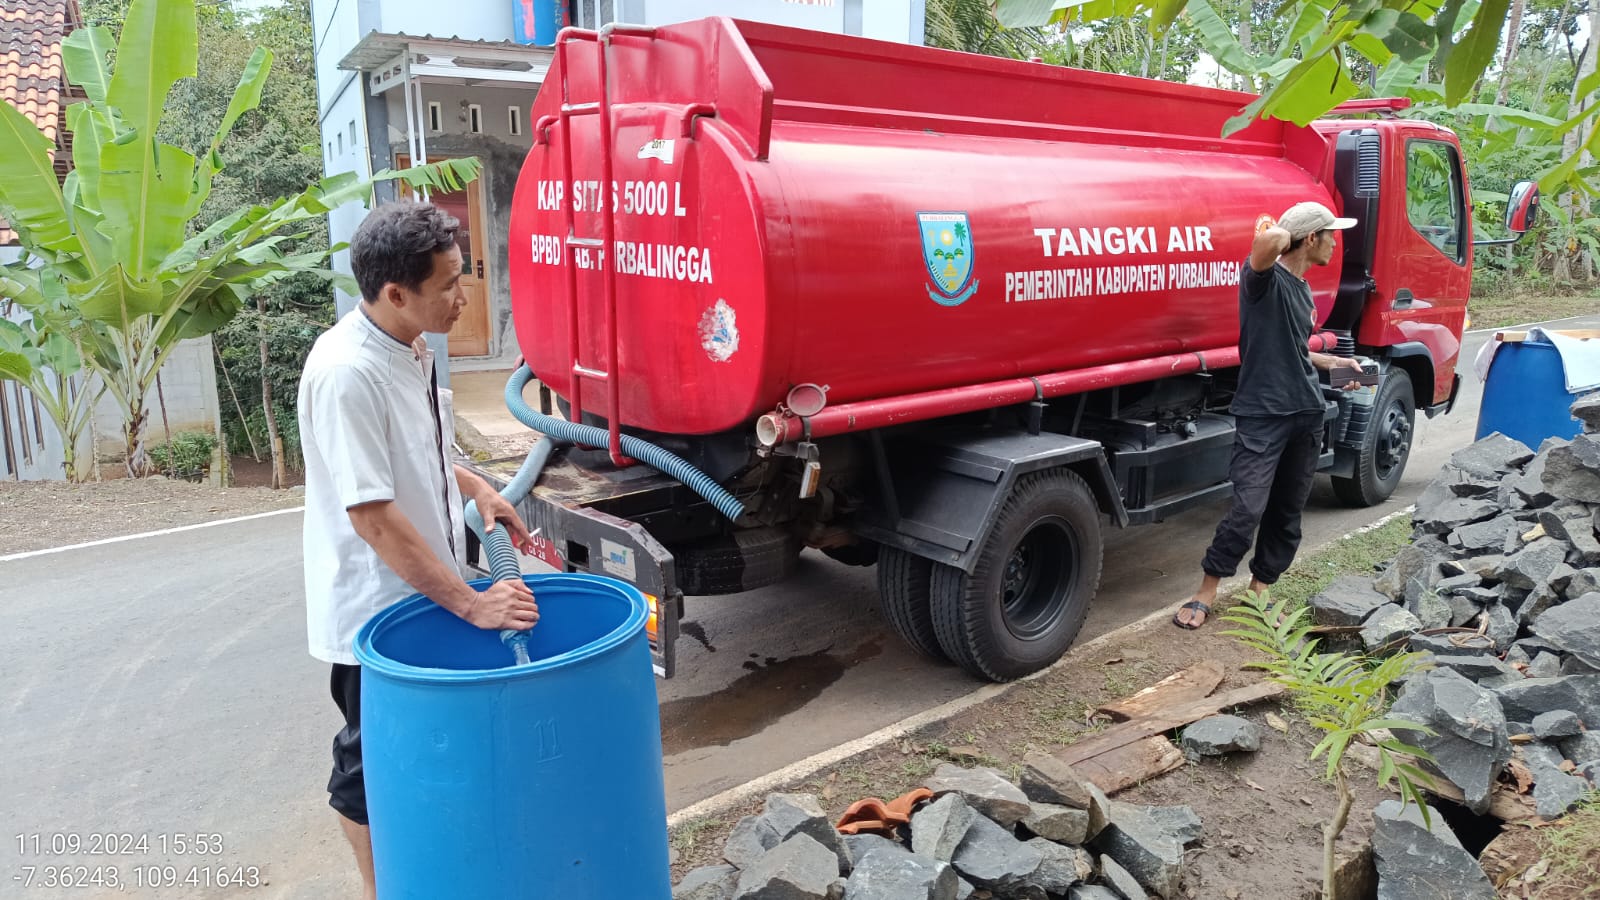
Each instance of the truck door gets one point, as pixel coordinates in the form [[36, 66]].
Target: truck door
[[1423, 260]]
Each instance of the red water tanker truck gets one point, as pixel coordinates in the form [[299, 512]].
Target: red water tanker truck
[[946, 314]]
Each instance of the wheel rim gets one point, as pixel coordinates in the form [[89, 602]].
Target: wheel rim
[[1394, 440], [1037, 579]]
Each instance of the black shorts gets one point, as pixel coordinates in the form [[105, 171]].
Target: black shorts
[[347, 788]]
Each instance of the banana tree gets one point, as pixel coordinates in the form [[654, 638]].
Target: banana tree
[[114, 243], [48, 363]]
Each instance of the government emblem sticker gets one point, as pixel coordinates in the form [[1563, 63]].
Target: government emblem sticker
[[947, 253]]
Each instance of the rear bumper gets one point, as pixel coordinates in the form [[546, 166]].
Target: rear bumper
[[575, 538]]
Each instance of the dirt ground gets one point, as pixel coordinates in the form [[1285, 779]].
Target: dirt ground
[[35, 515], [247, 472], [1504, 310], [1262, 811]]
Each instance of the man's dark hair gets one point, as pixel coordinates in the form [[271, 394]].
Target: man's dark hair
[[1295, 243], [396, 243]]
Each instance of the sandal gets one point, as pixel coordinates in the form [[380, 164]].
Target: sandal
[[1204, 609]]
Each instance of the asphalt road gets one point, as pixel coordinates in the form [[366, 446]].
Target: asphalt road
[[161, 687]]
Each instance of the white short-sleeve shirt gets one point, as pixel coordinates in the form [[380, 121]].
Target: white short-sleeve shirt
[[367, 432]]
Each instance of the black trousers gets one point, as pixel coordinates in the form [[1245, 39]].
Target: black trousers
[[347, 786], [1274, 461]]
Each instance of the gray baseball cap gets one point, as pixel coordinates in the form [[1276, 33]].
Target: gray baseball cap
[[1310, 217]]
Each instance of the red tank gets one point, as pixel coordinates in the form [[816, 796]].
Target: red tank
[[792, 207]]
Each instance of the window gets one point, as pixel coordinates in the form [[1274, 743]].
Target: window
[[514, 120], [1433, 196], [330, 151], [593, 14], [475, 118], [435, 116], [338, 141], [353, 142]]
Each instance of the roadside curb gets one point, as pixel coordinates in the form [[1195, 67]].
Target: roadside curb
[[721, 803]]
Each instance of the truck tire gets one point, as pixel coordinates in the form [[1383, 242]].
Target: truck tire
[[861, 553], [743, 561], [1030, 589], [903, 584], [1386, 446]]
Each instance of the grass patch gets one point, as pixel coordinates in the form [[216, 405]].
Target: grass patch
[[1358, 555], [686, 838], [1572, 846], [1505, 310]]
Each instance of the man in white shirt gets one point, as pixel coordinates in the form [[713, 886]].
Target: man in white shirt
[[383, 500]]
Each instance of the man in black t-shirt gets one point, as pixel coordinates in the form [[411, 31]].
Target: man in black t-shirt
[[1278, 408]]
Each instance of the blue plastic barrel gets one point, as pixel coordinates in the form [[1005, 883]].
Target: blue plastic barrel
[[487, 780], [1525, 396], [537, 22]]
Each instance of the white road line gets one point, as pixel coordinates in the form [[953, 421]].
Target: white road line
[[133, 537]]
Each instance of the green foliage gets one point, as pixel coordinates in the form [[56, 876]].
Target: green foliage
[[1335, 50], [48, 363], [971, 27], [187, 456], [240, 433], [1344, 696], [118, 244]]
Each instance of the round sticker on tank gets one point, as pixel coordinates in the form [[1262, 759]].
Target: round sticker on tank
[[719, 333]]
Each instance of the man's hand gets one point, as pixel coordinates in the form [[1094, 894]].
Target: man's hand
[[494, 509], [506, 604], [1328, 362], [1268, 246]]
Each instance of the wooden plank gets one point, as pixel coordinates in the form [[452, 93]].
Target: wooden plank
[[1129, 732], [1582, 334], [1505, 803], [1177, 689], [1132, 764]]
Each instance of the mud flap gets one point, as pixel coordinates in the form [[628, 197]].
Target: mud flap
[[945, 490]]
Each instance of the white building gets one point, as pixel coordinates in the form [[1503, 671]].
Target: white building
[[403, 80]]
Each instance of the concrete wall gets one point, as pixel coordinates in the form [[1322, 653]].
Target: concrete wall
[[189, 383], [502, 162], [35, 445], [470, 20], [341, 100], [501, 153], [453, 100]]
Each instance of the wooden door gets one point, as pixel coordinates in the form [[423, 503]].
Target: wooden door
[[470, 336]]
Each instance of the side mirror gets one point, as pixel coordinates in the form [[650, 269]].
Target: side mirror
[[1522, 213], [1522, 209]]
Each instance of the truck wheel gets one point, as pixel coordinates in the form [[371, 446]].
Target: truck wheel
[[861, 553], [743, 561], [1385, 448], [903, 584], [1030, 590]]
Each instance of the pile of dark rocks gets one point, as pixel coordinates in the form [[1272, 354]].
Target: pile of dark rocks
[[1500, 588], [1054, 836]]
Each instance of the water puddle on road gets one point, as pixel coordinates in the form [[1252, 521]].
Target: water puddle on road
[[698, 632], [772, 689]]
